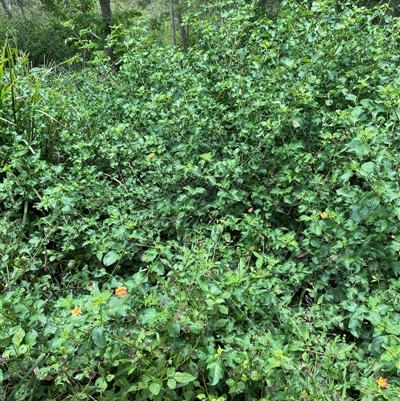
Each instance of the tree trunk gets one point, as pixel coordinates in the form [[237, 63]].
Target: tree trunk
[[105, 6], [183, 31], [6, 9], [172, 21], [106, 13]]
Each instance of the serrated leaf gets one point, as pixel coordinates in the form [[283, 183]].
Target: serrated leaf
[[110, 258], [184, 377]]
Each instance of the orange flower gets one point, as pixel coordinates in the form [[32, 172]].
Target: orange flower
[[324, 215], [151, 155], [77, 311], [121, 292], [382, 382]]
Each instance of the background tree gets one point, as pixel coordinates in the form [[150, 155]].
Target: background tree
[[7, 8]]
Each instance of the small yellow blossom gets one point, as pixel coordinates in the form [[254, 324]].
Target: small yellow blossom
[[151, 155], [121, 292], [382, 382], [324, 215], [77, 311]]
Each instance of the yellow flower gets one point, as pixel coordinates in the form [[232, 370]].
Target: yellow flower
[[151, 155], [324, 215], [121, 292], [77, 311], [382, 382]]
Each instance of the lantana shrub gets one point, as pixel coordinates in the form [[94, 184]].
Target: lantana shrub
[[216, 224]]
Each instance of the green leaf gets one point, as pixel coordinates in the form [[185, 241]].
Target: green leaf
[[274, 363], [174, 330], [98, 337], [259, 260], [355, 214], [149, 316], [368, 167], [30, 338], [18, 336], [101, 384], [359, 147], [215, 371], [316, 228], [150, 255], [171, 383], [220, 323], [184, 377], [366, 205], [110, 258], [376, 346], [154, 388], [223, 309]]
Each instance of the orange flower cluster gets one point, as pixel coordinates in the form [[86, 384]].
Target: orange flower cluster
[[324, 215], [121, 292], [77, 311], [382, 382]]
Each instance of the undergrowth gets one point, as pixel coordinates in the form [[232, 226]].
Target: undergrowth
[[219, 224]]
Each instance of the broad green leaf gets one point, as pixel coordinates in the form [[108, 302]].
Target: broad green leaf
[[196, 327], [149, 316], [171, 383], [150, 255], [98, 337], [174, 330], [110, 258], [355, 214], [18, 336], [216, 372], [316, 229], [184, 377], [223, 309], [155, 388], [368, 167], [30, 338], [101, 384], [273, 363], [220, 323], [359, 147]]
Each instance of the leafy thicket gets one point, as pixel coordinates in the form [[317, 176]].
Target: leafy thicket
[[245, 193], [51, 40]]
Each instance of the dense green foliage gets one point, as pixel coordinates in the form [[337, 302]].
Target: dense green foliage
[[244, 193]]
